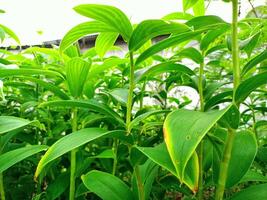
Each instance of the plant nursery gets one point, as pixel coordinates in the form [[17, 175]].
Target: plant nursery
[[172, 107]]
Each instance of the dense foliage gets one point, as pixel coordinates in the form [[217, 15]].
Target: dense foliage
[[97, 125]]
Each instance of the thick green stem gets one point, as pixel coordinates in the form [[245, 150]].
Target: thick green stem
[[73, 158], [224, 165], [200, 147], [231, 133], [141, 192], [2, 190], [235, 48], [130, 93]]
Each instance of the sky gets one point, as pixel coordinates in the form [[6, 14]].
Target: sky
[[55, 17]]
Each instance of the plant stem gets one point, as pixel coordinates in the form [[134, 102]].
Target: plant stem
[[130, 93], [73, 158], [200, 147], [115, 149], [141, 193], [224, 165], [235, 48], [2, 189], [231, 133]]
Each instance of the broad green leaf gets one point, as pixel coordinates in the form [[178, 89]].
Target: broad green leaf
[[159, 154], [108, 153], [10, 158], [187, 4], [183, 131], [82, 30], [251, 43], [141, 117], [108, 64], [58, 186], [254, 61], [10, 123], [178, 16], [148, 173], [120, 94], [253, 176], [249, 85], [219, 98], [242, 155], [161, 68], [231, 118], [192, 54], [25, 72], [251, 193], [205, 22], [212, 35], [199, 8], [149, 29], [109, 15], [107, 186], [68, 143], [166, 43], [49, 86], [76, 72], [9, 32], [104, 42], [89, 104]]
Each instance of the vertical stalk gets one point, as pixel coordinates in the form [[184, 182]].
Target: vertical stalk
[[141, 192], [231, 133], [115, 149], [73, 158], [2, 189], [130, 93], [224, 165], [200, 147]]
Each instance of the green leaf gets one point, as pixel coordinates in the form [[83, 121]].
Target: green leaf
[[149, 29], [58, 186], [212, 35], [178, 16], [10, 158], [183, 131], [89, 104], [207, 21], [120, 94], [108, 64], [109, 15], [251, 193], [25, 72], [161, 68], [187, 4], [159, 154], [254, 61], [82, 30], [231, 118], [76, 72], [192, 54], [107, 186], [49, 86], [68, 143], [251, 43], [9, 32], [199, 8], [10, 123], [253, 176], [166, 43], [104, 42], [141, 117], [249, 85], [242, 155]]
